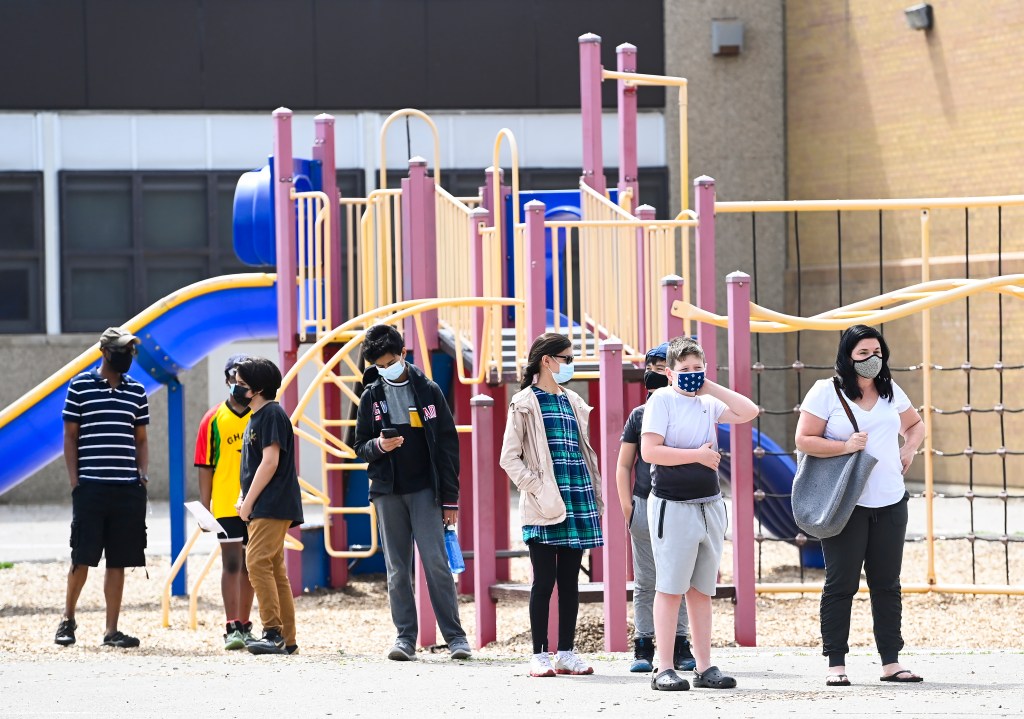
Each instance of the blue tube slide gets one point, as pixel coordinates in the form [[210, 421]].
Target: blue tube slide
[[176, 333], [773, 474]]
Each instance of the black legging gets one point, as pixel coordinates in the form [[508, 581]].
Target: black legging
[[551, 564], [873, 538]]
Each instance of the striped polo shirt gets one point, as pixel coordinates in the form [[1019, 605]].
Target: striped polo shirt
[[107, 418]]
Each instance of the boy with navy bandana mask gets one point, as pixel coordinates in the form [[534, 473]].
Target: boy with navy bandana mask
[[406, 435], [633, 497], [687, 514]]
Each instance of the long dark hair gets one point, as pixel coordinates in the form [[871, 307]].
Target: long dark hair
[[844, 365], [548, 344]]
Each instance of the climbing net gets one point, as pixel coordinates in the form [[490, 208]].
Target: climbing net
[[989, 486]]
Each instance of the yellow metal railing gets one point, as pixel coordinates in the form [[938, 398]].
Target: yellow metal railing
[[313, 217], [640, 80], [906, 302], [615, 281], [407, 112], [380, 251], [454, 272], [342, 372]]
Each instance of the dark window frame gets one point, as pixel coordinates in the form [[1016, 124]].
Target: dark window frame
[[32, 259], [214, 257]]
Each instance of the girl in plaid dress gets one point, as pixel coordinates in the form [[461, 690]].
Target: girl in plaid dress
[[547, 454]]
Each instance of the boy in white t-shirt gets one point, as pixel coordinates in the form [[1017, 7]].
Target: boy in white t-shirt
[[686, 514]]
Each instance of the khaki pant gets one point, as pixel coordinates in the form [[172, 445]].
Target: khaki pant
[[264, 555]]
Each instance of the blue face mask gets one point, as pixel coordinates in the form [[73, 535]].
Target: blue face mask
[[564, 373], [392, 373], [690, 381]]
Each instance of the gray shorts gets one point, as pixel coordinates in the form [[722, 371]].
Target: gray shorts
[[687, 540]]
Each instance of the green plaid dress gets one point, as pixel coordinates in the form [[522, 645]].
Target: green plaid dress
[[581, 528]]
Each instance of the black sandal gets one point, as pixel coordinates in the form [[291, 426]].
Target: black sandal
[[841, 680], [669, 681], [712, 678], [895, 677]]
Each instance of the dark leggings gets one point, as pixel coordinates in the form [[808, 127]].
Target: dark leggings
[[554, 564], [873, 538]]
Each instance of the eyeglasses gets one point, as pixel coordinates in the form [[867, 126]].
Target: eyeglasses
[[568, 358]]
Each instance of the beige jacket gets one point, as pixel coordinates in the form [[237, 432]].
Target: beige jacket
[[527, 460]]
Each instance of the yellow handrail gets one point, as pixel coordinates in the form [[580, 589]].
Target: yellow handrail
[[407, 112], [930, 294], [313, 217], [321, 437], [923, 203], [639, 79], [64, 375]]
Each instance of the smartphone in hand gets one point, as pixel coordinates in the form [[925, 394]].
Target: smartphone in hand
[[389, 433]]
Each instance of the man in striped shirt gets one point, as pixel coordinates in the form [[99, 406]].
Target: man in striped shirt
[[107, 456]]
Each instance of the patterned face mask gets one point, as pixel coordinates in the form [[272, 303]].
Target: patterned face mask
[[868, 368], [690, 381]]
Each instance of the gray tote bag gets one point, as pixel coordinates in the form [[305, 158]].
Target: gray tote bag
[[826, 489]]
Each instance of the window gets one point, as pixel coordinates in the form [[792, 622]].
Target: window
[[130, 238], [21, 252]]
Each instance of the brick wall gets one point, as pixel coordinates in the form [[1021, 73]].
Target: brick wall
[[875, 109]]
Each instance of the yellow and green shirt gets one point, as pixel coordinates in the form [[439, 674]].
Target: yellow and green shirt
[[219, 447]]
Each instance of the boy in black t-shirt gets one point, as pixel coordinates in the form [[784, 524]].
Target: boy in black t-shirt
[[633, 498], [271, 503], [406, 435]]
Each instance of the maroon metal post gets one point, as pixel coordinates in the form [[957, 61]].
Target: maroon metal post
[[616, 540], [419, 251], [704, 193], [671, 292], [536, 271], [590, 105], [287, 304], [467, 483], [742, 463], [644, 276], [627, 102], [485, 547], [478, 218]]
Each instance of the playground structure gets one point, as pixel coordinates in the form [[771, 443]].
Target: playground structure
[[463, 277]]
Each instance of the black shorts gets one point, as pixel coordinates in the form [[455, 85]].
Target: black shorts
[[108, 519], [235, 527]]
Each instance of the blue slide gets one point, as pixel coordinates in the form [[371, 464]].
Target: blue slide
[[176, 332], [773, 474]]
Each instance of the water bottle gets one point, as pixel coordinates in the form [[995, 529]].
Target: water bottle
[[451, 545]]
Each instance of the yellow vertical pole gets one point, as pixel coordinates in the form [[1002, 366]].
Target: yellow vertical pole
[[926, 362], [684, 192]]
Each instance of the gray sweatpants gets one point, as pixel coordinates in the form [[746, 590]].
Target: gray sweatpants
[[644, 575], [403, 519]]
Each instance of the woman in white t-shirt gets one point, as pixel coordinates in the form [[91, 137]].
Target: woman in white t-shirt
[[874, 536]]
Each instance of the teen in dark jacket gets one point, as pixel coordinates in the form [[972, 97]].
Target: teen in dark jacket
[[406, 435]]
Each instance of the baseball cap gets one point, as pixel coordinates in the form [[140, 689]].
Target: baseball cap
[[117, 338], [659, 352], [234, 361]]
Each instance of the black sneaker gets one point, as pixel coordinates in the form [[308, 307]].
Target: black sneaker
[[120, 639], [270, 643], [682, 656], [292, 649], [66, 632]]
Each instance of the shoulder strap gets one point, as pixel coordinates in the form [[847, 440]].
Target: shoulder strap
[[842, 400]]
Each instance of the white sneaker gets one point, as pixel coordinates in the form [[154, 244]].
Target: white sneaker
[[570, 663], [540, 665]]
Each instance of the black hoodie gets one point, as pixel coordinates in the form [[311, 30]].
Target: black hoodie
[[438, 423]]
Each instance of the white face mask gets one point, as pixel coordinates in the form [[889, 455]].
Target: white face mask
[[392, 373]]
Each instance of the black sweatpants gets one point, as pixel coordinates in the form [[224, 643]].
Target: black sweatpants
[[873, 538], [551, 564]]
